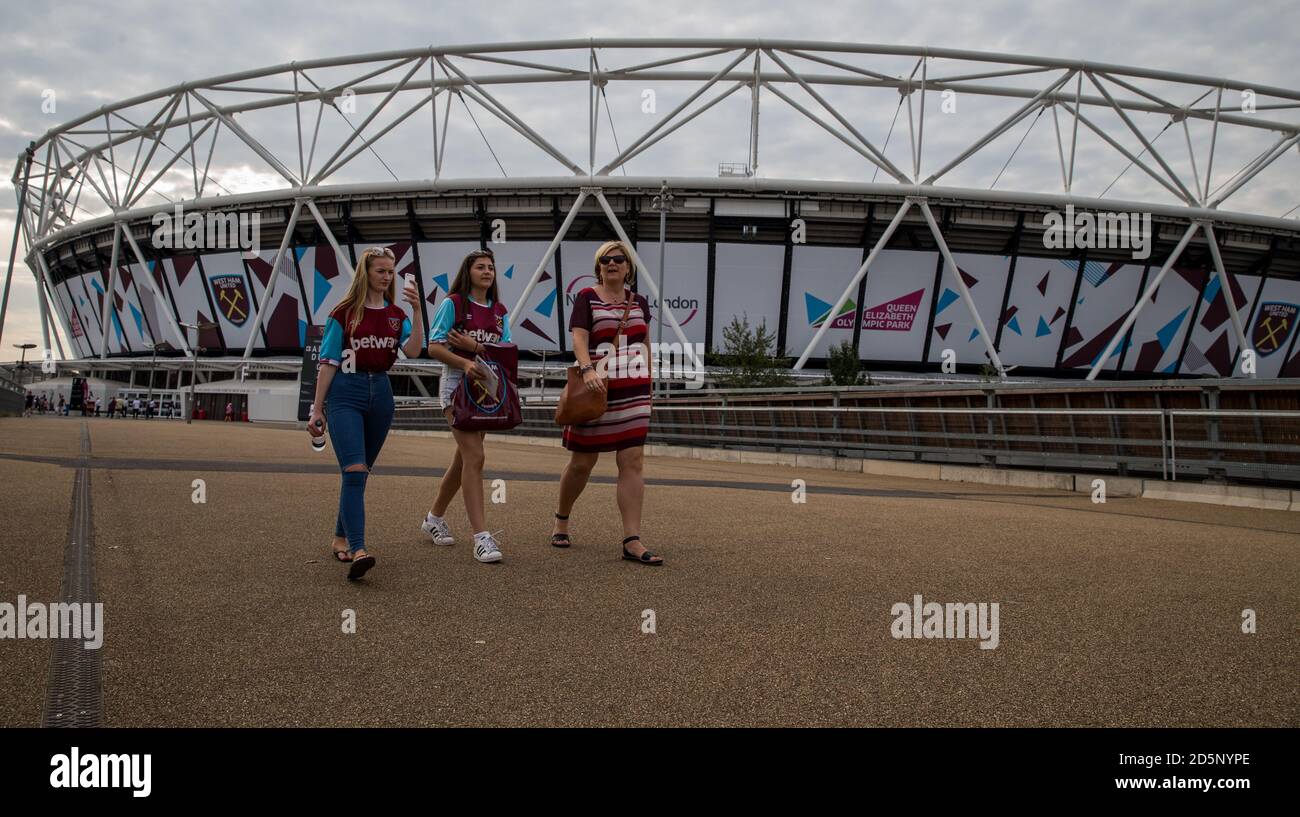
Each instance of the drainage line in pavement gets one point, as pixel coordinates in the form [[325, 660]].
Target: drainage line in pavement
[[74, 692]]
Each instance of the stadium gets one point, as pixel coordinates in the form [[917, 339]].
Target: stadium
[[92, 204], [1072, 285], [892, 244]]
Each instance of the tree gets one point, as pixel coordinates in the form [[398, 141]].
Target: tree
[[845, 368], [750, 358]]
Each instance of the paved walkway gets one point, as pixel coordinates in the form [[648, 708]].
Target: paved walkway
[[229, 613]]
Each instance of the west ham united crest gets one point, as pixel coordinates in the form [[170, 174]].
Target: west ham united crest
[[395, 324], [1273, 327], [487, 395], [231, 297]]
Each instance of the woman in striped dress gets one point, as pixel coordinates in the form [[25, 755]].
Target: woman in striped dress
[[624, 375]]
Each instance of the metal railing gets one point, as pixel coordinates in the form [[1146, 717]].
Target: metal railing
[[1220, 443], [1169, 442]]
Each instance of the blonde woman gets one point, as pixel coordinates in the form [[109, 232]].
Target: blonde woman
[[603, 315], [360, 344]]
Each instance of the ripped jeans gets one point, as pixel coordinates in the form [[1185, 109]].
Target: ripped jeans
[[359, 411]]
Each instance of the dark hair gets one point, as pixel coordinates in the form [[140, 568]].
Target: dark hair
[[461, 285]]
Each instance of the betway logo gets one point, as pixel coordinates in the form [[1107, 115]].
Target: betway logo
[[372, 342]]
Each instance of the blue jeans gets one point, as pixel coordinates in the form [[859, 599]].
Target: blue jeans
[[359, 411]]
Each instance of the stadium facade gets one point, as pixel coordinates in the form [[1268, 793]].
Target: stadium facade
[[954, 271]]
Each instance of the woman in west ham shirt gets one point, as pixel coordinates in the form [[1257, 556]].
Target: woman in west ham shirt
[[473, 299], [362, 335]]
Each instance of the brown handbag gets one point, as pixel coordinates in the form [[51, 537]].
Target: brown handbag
[[579, 404]]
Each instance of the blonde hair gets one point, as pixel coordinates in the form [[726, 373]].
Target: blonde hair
[[605, 248], [354, 300]]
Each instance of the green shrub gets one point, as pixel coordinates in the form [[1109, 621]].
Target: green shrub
[[845, 367], [750, 358]]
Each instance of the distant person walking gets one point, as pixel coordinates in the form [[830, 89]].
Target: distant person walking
[[230, 412], [28, 401]]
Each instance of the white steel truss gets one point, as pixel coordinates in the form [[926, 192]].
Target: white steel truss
[[76, 178]]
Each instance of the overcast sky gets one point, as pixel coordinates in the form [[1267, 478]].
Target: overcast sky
[[90, 54]]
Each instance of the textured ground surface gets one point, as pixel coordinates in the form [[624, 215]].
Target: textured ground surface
[[229, 613]]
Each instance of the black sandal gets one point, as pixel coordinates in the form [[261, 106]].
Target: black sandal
[[344, 556], [360, 566], [646, 557], [561, 540]]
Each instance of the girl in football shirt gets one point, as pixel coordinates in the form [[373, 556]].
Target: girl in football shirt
[[473, 299], [362, 335]]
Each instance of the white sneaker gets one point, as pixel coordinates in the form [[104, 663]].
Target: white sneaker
[[486, 548], [437, 529]]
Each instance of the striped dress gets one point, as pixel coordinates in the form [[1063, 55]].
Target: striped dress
[[626, 420]]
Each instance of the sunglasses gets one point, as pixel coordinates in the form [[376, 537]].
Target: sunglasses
[[380, 251], [612, 259]]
